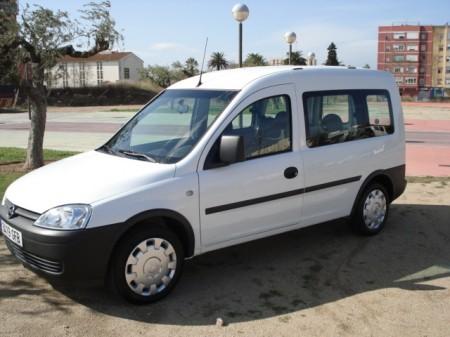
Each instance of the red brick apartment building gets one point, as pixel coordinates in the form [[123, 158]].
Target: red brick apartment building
[[406, 51]]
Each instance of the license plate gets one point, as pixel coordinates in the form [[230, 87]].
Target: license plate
[[13, 234]]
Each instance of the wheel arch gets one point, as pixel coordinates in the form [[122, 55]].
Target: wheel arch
[[378, 176], [172, 219]]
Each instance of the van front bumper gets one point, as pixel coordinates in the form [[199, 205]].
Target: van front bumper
[[79, 255]]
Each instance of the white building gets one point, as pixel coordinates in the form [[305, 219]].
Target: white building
[[103, 68]]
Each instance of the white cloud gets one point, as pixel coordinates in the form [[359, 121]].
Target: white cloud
[[164, 46]]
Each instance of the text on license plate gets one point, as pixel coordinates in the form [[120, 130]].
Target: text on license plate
[[13, 234]]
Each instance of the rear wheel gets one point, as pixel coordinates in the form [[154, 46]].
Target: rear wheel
[[147, 264], [372, 210]]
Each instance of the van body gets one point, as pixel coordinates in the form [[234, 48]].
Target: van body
[[213, 162]]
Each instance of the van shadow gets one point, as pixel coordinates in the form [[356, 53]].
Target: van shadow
[[297, 270]]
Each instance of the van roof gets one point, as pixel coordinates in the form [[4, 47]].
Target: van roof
[[236, 79]]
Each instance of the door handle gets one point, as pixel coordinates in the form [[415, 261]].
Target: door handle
[[291, 172]]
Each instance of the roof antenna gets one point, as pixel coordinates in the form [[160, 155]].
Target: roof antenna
[[201, 70]]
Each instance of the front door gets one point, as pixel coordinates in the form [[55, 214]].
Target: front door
[[264, 192]]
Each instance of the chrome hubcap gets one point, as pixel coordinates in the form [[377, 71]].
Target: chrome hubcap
[[374, 209], [151, 266]]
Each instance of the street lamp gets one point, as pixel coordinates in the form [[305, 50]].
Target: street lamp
[[290, 38], [240, 14]]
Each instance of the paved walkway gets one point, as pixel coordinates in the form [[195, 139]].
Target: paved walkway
[[428, 140]]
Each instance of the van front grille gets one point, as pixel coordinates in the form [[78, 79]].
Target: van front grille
[[22, 212], [48, 266]]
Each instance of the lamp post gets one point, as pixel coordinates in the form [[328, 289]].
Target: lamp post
[[240, 14], [290, 38]]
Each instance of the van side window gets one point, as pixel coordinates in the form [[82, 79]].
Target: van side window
[[379, 113], [339, 116], [265, 126]]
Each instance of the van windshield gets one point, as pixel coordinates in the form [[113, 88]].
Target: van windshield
[[168, 128]]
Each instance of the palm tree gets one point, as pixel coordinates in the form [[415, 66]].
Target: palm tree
[[218, 61], [255, 59], [190, 67], [296, 59]]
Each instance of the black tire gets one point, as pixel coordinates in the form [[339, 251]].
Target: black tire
[[358, 221], [128, 245]]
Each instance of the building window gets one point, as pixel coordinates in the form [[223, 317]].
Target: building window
[[422, 69], [388, 59], [388, 48], [65, 75], [411, 69], [423, 47], [410, 80], [398, 47], [413, 47], [422, 82], [398, 80], [48, 79], [99, 73], [82, 74], [398, 69], [399, 58], [126, 73], [423, 36], [399, 36], [412, 35], [412, 58]]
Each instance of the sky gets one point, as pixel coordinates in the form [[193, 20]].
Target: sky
[[161, 32]]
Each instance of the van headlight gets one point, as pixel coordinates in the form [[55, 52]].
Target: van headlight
[[67, 217]]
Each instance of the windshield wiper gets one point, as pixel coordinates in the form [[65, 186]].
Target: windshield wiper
[[138, 155]]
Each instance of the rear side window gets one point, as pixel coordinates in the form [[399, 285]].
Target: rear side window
[[333, 117]]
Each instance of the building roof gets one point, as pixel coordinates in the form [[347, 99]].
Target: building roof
[[102, 56], [236, 79]]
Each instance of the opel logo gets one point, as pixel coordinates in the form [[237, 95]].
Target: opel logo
[[11, 211]]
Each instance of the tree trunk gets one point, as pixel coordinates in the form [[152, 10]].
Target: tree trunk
[[35, 89], [35, 152]]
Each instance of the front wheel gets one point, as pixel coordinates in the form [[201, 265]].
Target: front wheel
[[147, 264], [371, 211]]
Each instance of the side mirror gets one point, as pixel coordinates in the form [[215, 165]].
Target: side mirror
[[231, 149]]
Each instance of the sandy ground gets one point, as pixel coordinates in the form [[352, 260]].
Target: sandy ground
[[318, 281]]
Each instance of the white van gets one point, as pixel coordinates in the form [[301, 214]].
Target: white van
[[240, 155]]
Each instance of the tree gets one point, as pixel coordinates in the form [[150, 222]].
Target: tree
[[255, 59], [188, 69], [8, 56], [296, 58], [159, 75], [332, 59], [191, 67], [42, 36], [218, 61]]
